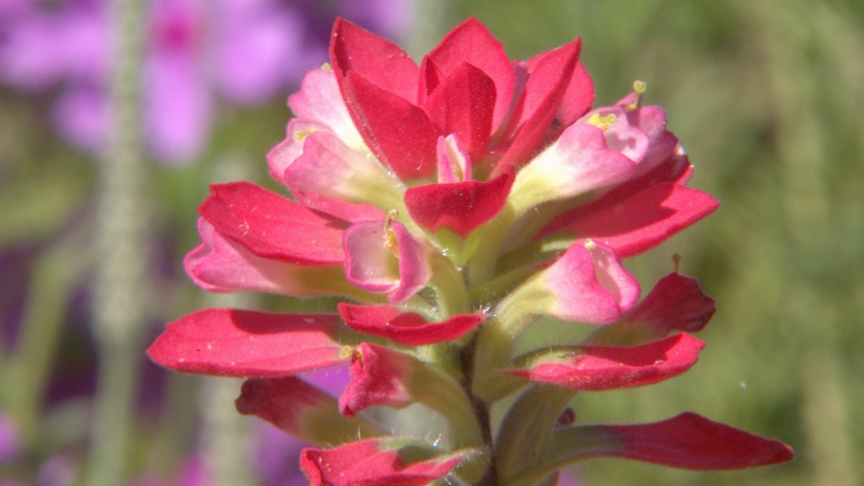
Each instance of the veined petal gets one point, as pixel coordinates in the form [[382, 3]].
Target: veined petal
[[459, 206], [222, 265], [687, 441], [328, 167], [383, 257], [578, 162], [271, 226], [586, 284], [407, 328], [596, 368], [549, 75], [378, 462], [319, 100], [471, 42], [462, 104], [231, 342], [302, 410], [381, 62], [641, 222], [398, 132]]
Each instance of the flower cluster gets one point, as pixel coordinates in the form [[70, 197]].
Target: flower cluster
[[452, 205]]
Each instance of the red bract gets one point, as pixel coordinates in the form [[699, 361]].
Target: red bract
[[596, 368], [232, 342], [372, 463], [449, 205], [675, 303], [687, 441], [302, 410], [407, 328], [500, 113]]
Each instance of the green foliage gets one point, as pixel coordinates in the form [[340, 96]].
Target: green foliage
[[767, 98]]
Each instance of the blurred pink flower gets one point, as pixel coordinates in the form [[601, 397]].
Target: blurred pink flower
[[10, 441], [244, 52]]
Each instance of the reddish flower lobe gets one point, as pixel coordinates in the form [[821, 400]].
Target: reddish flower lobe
[[596, 368], [472, 43], [271, 226], [642, 221], [690, 441], [406, 328], [231, 342], [370, 463], [459, 206]]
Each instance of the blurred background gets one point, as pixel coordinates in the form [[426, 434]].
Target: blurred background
[[97, 150]]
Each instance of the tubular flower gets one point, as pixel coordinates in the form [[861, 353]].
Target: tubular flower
[[450, 205]]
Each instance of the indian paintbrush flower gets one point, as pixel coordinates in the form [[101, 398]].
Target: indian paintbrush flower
[[450, 205]]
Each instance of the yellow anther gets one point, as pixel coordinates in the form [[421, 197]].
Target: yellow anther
[[639, 87], [602, 122], [590, 245], [346, 351], [389, 235], [301, 135], [327, 67]]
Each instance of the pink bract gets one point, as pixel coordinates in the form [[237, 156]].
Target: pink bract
[[370, 462]]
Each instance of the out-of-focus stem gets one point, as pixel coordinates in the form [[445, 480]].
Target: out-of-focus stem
[[121, 285], [225, 434], [26, 374], [826, 419]]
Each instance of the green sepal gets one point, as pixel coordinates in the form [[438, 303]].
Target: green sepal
[[526, 429], [565, 447]]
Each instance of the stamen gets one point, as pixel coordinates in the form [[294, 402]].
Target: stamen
[[676, 258], [301, 135], [390, 241], [639, 88], [346, 351], [602, 122]]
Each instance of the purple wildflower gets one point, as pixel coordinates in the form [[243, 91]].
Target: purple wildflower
[[243, 52]]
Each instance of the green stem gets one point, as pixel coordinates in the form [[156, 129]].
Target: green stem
[[527, 428], [113, 412], [493, 353], [486, 249], [453, 296]]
